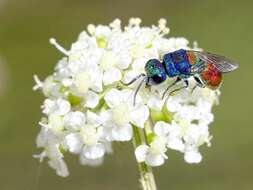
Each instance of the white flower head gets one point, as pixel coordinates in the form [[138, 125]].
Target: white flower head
[[87, 107]]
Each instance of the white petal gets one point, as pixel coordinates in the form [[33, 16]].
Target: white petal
[[56, 124], [140, 153], [94, 152], [173, 105], [130, 75], [48, 106], [102, 31], [73, 143], [126, 95], [108, 60], [161, 128], [53, 151], [91, 162], [124, 60], [111, 76], [82, 81], [60, 166], [107, 133], [74, 120], [122, 133], [97, 80], [155, 103], [91, 99], [154, 159], [106, 116], [93, 119], [176, 144], [113, 98], [58, 107], [139, 116], [42, 137], [139, 64], [67, 82], [192, 157], [63, 107]]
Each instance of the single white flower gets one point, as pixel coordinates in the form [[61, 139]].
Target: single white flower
[[57, 107], [53, 153], [122, 114], [85, 83], [154, 154], [172, 133], [108, 63], [87, 141], [54, 123], [74, 120]]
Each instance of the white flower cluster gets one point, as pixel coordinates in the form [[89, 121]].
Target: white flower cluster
[[87, 107]]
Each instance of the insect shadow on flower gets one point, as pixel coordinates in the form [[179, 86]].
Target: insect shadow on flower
[[206, 68]]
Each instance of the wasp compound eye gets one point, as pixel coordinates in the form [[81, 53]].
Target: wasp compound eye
[[155, 72]]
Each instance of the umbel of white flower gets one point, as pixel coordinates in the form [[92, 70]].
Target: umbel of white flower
[[87, 108]]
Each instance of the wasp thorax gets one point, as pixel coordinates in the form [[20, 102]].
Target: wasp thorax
[[155, 72]]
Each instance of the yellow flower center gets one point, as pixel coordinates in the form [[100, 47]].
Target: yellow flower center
[[82, 81], [89, 134], [108, 60], [121, 114]]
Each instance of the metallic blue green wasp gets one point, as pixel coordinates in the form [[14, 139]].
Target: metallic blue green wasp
[[206, 68]]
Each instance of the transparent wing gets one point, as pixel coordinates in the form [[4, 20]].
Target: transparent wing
[[199, 67], [222, 63]]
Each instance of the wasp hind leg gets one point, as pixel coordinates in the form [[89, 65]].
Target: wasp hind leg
[[199, 83], [186, 84]]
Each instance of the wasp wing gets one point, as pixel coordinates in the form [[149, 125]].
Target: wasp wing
[[222, 63], [199, 67]]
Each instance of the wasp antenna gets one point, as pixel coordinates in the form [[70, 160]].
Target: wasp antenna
[[58, 46], [138, 88], [134, 79]]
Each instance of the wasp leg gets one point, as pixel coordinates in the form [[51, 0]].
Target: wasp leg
[[199, 83], [185, 86], [174, 83], [134, 79]]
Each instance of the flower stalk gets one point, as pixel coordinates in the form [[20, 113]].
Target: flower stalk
[[147, 179]]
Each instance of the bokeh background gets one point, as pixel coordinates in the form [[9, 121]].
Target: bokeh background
[[225, 27]]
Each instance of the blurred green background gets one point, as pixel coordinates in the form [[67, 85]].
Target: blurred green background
[[225, 27]]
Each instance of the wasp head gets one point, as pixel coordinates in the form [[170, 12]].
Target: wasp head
[[156, 73]]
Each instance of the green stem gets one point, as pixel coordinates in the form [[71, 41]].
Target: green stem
[[147, 179]]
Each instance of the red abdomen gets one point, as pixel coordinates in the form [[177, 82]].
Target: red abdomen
[[211, 76]]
